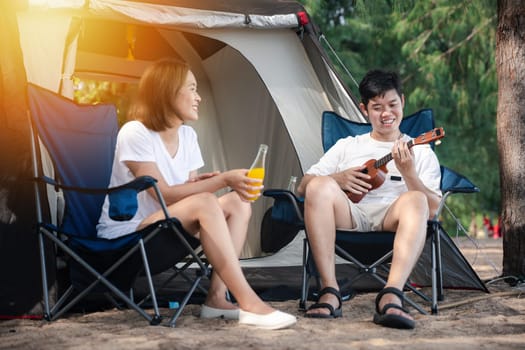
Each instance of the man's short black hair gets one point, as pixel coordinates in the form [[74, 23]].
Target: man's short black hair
[[377, 82]]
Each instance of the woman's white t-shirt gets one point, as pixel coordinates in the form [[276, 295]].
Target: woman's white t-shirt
[[135, 142], [355, 151]]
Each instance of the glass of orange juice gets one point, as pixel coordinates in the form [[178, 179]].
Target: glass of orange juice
[[257, 169]]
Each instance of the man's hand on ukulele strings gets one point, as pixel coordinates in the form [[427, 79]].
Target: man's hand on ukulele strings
[[354, 180]]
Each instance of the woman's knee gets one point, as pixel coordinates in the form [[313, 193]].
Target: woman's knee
[[206, 201], [233, 204]]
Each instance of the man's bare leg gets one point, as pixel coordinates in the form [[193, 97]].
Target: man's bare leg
[[408, 217], [326, 207]]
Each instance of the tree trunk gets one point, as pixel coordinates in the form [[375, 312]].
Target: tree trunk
[[510, 63]]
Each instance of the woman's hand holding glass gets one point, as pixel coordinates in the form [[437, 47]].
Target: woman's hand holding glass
[[247, 188]]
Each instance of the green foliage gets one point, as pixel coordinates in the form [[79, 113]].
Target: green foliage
[[445, 53], [94, 92]]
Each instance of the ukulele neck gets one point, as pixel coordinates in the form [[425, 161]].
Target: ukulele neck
[[382, 161]]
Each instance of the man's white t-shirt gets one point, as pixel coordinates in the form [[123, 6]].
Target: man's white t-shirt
[[135, 142], [355, 151]]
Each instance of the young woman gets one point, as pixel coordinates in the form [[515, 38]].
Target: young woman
[[157, 143]]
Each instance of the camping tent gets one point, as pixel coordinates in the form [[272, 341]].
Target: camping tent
[[262, 73]]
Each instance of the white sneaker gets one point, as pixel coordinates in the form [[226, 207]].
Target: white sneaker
[[211, 312], [273, 320]]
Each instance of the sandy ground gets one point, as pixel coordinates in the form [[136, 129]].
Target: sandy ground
[[467, 320]]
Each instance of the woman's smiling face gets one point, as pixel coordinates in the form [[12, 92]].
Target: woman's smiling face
[[187, 99]]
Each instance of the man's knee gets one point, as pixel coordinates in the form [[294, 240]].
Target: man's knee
[[415, 201], [321, 187]]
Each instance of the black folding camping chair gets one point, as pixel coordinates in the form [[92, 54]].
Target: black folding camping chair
[[80, 140], [371, 252]]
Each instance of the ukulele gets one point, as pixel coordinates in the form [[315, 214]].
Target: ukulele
[[377, 168]]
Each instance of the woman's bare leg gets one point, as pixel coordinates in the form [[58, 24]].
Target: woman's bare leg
[[237, 214], [202, 214]]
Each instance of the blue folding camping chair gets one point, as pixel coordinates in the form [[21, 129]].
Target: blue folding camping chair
[[371, 252], [80, 141]]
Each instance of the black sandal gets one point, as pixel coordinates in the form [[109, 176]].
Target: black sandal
[[334, 313], [391, 320]]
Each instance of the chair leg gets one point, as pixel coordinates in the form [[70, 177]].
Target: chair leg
[[174, 318], [437, 278], [53, 315], [156, 317], [439, 271], [99, 278], [43, 271], [306, 277], [177, 272]]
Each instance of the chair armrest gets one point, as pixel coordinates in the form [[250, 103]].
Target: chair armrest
[[139, 184], [453, 182], [287, 206], [123, 203]]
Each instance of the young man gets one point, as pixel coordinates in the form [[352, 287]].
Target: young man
[[402, 204]]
